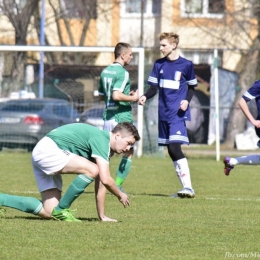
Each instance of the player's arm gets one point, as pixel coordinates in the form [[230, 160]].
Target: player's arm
[[185, 103], [119, 96], [151, 92], [244, 107], [100, 191], [109, 183]]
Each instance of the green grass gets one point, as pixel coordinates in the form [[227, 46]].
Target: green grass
[[221, 222]]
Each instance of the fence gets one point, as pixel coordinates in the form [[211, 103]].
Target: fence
[[72, 74], [78, 85]]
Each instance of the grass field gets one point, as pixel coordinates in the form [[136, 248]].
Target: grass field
[[222, 222]]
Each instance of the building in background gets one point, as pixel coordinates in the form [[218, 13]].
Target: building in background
[[203, 25]]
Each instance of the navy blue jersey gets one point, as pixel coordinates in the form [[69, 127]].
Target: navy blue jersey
[[254, 93], [172, 79]]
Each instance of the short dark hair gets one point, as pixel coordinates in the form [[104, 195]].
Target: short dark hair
[[126, 129], [120, 47]]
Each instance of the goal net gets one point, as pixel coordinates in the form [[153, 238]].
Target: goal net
[[72, 74]]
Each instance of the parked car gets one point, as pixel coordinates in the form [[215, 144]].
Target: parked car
[[93, 116], [23, 122]]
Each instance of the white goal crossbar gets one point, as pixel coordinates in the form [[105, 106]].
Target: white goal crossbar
[[138, 50]]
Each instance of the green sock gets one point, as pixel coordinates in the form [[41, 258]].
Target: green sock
[[77, 187], [25, 204], [123, 170]]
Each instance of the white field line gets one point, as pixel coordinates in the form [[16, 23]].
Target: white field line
[[236, 199]]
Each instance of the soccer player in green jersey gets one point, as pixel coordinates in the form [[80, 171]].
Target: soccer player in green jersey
[[74, 149], [115, 90]]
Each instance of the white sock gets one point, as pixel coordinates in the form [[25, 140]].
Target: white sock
[[253, 159], [178, 172], [184, 173]]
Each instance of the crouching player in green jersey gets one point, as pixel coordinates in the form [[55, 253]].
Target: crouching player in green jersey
[[115, 90], [74, 149]]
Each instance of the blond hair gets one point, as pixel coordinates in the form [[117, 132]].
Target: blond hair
[[171, 37]]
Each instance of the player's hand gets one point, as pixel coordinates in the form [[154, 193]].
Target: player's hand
[[142, 100], [107, 219], [124, 199], [184, 105], [256, 123], [135, 94]]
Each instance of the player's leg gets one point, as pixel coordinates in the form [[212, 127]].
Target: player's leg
[[22, 203], [253, 159], [179, 160], [182, 169], [87, 171], [124, 168], [49, 185], [49, 162], [50, 189], [50, 199], [229, 162], [29, 204]]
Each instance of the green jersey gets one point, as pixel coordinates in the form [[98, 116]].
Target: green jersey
[[82, 139], [115, 77]]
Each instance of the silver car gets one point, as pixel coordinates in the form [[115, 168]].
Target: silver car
[[93, 116], [23, 122]]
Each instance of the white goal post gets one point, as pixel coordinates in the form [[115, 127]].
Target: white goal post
[[138, 50]]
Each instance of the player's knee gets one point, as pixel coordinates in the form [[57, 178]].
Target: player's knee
[[45, 214], [93, 171], [175, 152]]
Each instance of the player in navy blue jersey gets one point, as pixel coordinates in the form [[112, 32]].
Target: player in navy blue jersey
[[253, 93], [174, 76]]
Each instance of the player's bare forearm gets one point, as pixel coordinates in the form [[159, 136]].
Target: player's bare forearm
[[245, 109], [119, 96], [100, 191], [109, 183]]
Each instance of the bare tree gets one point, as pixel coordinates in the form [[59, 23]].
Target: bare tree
[[250, 63], [69, 15], [237, 31], [19, 16]]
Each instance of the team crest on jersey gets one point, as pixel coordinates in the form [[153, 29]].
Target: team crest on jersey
[[161, 71], [177, 76]]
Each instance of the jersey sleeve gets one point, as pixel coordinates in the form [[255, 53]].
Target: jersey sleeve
[[191, 78], [121, 81], [100, 148], [153, 77], [253, 92]]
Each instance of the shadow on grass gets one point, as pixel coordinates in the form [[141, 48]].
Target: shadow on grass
[[151, 194], [41, 219]]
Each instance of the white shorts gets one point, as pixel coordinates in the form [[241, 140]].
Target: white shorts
[[109, 125], [47, 160]]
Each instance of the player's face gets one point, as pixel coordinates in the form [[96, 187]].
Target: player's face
[[123, 144], [128, 56], [166, 47]]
